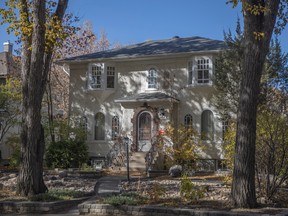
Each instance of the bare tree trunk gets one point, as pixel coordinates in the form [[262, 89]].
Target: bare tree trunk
[[255, 51], [35, 67], [30, 180]]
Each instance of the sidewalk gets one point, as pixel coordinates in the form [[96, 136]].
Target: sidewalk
[[108, 185]]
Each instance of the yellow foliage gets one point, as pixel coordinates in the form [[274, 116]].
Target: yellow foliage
[[185, 144]]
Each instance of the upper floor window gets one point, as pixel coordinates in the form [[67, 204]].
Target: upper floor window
[[207, 125], [110, 77], [190, 72], [101, 76], [188, 121], [99, 126], [203, 70], [152, 78], [200, 71], [115, 127], [96, 77]]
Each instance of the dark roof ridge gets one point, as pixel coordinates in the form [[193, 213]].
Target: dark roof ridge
[[156, 47]]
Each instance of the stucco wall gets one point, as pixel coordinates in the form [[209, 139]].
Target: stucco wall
[[132, 79]]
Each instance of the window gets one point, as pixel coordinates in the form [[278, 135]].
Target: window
[[145, 126], [203, 70], [152, 78], [188, 121], [110, 77], [99, 126], [207, 125], [84, 125], [101, 76], [190, 72], [115, 127], [96, 77], [166, 81]]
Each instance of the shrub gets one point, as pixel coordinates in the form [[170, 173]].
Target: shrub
[[13, 142], [271, 151], [127, 199], [190, 192], [66, 154], [155, 192], [185, 145], [54, 195]]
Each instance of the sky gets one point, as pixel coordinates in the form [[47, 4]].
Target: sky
[[134, 21]]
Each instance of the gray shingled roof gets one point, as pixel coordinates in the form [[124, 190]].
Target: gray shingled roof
[[156, 47], [147, 97]]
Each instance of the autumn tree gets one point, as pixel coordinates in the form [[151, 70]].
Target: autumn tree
[[39, 24], [83, 41], [259, 22]]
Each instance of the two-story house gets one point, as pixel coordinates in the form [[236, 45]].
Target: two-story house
[[136, 90]]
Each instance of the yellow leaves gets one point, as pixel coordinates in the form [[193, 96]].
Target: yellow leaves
[[258, 35], [255, 9]]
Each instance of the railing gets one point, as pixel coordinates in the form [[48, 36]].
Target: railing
[[117, 155], [151, 155]]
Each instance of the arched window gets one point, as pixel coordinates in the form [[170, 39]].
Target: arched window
[[207, 125], [84, 125], [152, 78], [115, 127], [188, 121], [145, 126], [99, 126]]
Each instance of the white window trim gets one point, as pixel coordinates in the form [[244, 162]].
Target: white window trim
[[147, 77], [194, 70], [103, 76]]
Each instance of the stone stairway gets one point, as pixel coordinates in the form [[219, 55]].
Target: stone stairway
[[137, 163]]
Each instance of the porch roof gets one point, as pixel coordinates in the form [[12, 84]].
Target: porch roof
[[147, 97]]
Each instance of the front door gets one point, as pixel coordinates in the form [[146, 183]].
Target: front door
[[144, 131]]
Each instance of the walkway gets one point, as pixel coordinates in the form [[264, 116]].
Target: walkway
[[104, 186]]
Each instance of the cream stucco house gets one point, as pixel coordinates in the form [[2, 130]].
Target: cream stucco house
[[136, 90]]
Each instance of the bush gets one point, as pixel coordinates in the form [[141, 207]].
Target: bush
[[13, 142], [128, 199], [271, 151], [155, 192], [66, 154], [190, 192]]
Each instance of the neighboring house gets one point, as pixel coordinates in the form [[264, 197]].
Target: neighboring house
[[137, 90], [7, 67]]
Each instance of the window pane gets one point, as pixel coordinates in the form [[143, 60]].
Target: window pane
[[207, 125], [99, 126], [203, 71], [110, 77], [145, 126], [96, 74], [152, 78]]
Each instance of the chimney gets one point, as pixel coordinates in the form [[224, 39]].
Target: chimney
[[8, 47]]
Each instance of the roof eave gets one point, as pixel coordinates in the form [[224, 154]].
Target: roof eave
[[147, 100]]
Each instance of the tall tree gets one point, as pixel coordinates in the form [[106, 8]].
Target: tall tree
[[259, 21], [39, 23]]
